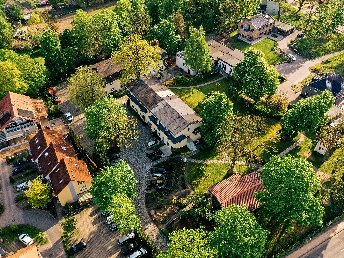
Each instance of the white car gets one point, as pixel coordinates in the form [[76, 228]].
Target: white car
[[138, 253], [22, 186], [291, 57], [25, 239], [68, 117]]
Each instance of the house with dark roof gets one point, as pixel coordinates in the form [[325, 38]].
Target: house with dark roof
[[20, 116], [57, 162], [175, 122], [224, 58], [333, 82]]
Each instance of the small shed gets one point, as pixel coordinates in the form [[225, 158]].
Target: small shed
[[282, 28]]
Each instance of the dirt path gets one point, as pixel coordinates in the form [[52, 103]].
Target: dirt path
[[200, 85]]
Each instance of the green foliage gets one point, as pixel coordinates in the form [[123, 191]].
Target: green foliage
[[136, 57], [6, 33], [332, 65], [69, 230], [202, 208], [20, 197], [188, 243], [10, 79], [122, 211], [214, 110], [108, 123], [85, 87], [32, 70], [38, 194], [53, 110], [165, 32], [237, 233], [40, 239], [35, 18], [274, 105], [10, 234], [308, 115], [291, 192], [55, 3], [255, 76], [14, 12], [197, 53], [233, 11], [111, 181]]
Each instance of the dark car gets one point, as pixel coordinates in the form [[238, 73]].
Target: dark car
[[21, 161], [128, 248], [20, 168], [300, 35], [155, 170], [126, 238], [77, 248]]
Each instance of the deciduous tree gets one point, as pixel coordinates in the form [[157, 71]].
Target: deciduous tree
[[290, 195], [10, 79], [188, 243], [14, 12], [38, 194], [6, 33], [136, 57], [255, 77], [238, 234], [111, 181], [197, 53], [165, 32], [308, 114], [215, 109], [85, 87]]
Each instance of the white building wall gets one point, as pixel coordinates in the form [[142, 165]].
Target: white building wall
[[180, 62]]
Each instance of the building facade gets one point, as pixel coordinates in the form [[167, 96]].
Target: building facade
[[174, 122]]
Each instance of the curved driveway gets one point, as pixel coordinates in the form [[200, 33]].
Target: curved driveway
[[37, 218]]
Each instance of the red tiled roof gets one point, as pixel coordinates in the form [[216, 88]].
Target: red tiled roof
[[69, 169], [17, 105], [30, 251], [240, 190]]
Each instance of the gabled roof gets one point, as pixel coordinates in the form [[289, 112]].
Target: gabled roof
[[15, 105], [106, 68], [30, 251], [260, 20], [170, 110], [240, 190], [69, 169], [226, 54]]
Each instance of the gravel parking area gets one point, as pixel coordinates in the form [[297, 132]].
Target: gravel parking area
[[135, 155]]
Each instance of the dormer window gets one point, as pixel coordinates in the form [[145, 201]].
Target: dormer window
[[46, 154]]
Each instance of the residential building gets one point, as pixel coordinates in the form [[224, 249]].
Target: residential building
[[58, 163], [30, 251], [20, 116], [241, 190], [174, 122], [255, 27], [110, 72], [282, 28], [224, 58], [333, 83], [330, 139]]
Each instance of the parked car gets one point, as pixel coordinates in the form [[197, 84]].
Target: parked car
[[291, 58], [26, 239], [112, 227], [68, 117], [128, 248], [153, 143], [138, 253], [157, 175], [300, 35], [154, 170], [155, 155], [23, 186], [109, 220], [126, 238], [77, 248]]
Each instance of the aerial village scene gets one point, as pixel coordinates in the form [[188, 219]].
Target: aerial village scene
[[172, 128]]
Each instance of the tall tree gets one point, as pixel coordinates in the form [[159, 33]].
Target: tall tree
[[85, 87], [38, 194], [179, 23], [14, 12], [165, 32], [215, 109], [233, 11], [6, 33], [136, 57], [111, 181], [188, 243], [238, 234], [10, 79], [308, 114], [107, 123], [122, 210], [197, 53], [33, 70], [255, 76], [290, 194]]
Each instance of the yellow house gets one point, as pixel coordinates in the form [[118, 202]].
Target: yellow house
[[175, 123]]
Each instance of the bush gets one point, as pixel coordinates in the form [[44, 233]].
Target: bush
[[274, 106], [10, 234], [40, 239], [53, 110], [69, 228], [20, 197], [14, 12]]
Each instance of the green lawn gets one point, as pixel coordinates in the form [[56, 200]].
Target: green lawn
[[335, 163], [203, 176], [10, 234], [267, 46], [332, 65]]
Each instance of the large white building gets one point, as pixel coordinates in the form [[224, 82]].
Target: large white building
[[174, 122]]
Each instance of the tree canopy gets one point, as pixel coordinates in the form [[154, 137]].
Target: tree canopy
[[10, 79], [215, 108], [38, 194], [188, 243], [136, 58], [254, 76], [307, 115], [85, 87], [238, 234], [291, 192], [6, 33], [197, 53], [111, 181]]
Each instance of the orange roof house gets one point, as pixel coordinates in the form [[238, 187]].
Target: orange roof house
[[30, 251]]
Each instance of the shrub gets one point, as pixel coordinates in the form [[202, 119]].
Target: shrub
[[20, 197], [14, 12], [69, 228], [274, 105], [40, 239]]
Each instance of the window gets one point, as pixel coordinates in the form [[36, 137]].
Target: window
[[46, 154], [83, 188]]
